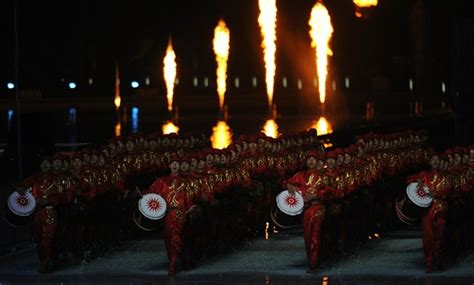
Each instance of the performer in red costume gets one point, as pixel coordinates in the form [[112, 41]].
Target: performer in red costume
[[310, 183], [171, 188], [434, 221], [48, 194]]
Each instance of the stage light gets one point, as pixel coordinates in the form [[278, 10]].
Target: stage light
[[72, 85], [135, 112], [285, 82], [300, 84], [254, 81], [72, 114], [206, 82], [347, 82], [237, 82], [134, 84], [195, 82], [10, 115], [147, 81], [443, 87], [10, 85], [90, 81], [410, 84]]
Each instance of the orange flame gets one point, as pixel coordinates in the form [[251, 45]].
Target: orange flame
[[118, 129], [169, 71], [321, 32], [221, 135], [322, 126], [267, 21], [117, 99], [271, 128], [365, 3], [169, 128], [221, 49]]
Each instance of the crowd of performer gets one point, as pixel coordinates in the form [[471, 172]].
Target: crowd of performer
[[450, 183], [220, 198]]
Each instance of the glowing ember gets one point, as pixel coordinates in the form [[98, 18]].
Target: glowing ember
[[365, 3], [221, 135], [321, 32], [169, 128], [267, 21], [169, 71], [118, 129], [322, 126], [271, 128], [117, 99], [221, 49]]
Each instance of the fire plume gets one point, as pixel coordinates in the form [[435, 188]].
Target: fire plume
[[322, 126], [169, 72], [221, 49], [366, 3], [321, 32], [117, 98], [267, 21], [271, 128], [221, 135], [169, 128]]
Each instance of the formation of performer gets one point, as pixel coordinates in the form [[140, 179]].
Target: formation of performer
[[67, 184], [450, 183], [219, 196], [216, 198], [339, 174]]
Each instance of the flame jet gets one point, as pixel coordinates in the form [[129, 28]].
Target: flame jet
[[221, 49], [267, 21], [365, 3], [321, 32], [169, 72]]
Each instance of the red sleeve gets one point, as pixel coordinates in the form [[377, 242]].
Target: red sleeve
[[156, 187], [297, 180]]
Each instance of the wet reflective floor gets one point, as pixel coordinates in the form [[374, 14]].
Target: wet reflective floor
[[395, 258]]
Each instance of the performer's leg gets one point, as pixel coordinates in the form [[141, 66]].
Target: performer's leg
[[428, 242]]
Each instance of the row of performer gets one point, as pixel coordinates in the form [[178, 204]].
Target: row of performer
[[446, 189], [188, 191]]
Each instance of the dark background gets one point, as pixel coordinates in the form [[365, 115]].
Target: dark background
[[427, 41]]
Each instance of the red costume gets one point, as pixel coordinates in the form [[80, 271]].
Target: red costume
[[171, 188], [311, 182], [434, 221]]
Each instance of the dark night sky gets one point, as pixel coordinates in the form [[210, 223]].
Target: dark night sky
[[78, 39]]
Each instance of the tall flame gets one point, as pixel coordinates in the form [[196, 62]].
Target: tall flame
[[169, 71], [323, 126], [221, 49], [169, 128], [365, 3], [221, 135], [267, 21], [117, 98], [321, 32], [271, 128]]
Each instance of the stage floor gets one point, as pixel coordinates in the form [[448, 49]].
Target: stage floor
[[394, 259]]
